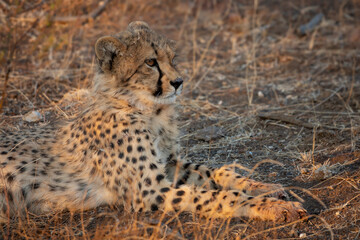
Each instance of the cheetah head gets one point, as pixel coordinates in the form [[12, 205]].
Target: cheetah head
[[139, 63]]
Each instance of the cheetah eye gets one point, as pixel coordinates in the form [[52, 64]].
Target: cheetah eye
[[151, 62]]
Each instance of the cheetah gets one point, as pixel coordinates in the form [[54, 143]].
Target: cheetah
[[123, 148]]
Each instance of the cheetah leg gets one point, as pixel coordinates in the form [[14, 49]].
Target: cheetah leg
[[181, 172], [229, 179], [222, 203], [224, 177]]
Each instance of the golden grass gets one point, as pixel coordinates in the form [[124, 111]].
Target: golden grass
[[240, 59]]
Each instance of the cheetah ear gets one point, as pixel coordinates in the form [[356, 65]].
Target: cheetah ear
[[107, 49], [137, 26], [172, 44]]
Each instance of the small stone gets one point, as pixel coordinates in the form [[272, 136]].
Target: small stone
[[302, 235], [260, 94], [33, 116]]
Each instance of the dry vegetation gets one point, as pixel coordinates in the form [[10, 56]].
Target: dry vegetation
[[256, 90]]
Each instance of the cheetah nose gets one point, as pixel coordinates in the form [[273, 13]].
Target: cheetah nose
[[176, 83]]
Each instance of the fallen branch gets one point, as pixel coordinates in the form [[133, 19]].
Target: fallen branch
[[310, 26], [94, 14], [292, 120]]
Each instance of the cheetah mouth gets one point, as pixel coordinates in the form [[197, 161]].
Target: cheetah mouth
[[174, 94], [178, 91], [171, 97]]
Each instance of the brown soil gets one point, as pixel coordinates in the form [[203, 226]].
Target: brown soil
[[255, 90]]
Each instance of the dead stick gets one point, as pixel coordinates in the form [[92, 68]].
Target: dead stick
[[292, 120], [92, 15]]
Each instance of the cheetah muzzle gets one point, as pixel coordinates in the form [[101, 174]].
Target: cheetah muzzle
[[123, 148]]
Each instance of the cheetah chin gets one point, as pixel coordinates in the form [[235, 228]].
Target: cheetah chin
[[123, 148]]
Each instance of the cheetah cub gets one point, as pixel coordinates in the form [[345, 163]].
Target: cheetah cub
[[124, 148]]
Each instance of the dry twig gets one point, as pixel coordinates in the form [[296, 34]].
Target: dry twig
[[94, 14], [292, 120]]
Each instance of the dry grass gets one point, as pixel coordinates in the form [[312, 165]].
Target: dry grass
[[240, 59]]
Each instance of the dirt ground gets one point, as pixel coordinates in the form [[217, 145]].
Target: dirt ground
[[259, 92]]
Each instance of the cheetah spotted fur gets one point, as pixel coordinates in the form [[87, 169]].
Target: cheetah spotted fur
[[124, 148]]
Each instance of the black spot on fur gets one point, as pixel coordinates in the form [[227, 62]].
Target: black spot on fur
[[129, 149], [165, 189], [180, 193], [126, 131], [159, 178], [186, 165], [154, 207], [153, 152], [159, 199], [147, 181], [140, 149], [179, 183], [176, 200], [153, 166]]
